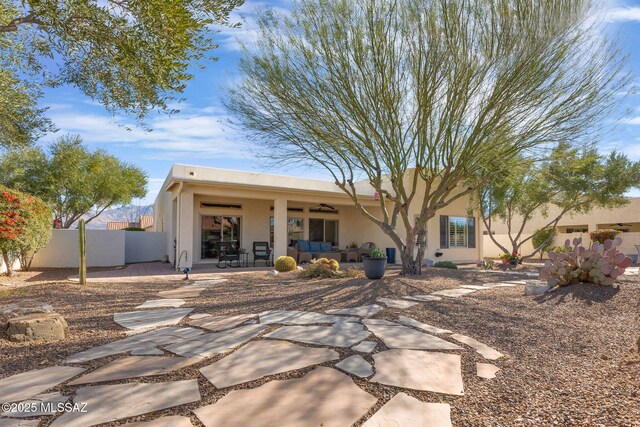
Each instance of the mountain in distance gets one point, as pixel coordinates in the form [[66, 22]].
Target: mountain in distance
[[129, 213]]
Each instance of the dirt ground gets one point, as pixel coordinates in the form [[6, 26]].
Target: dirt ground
[[567, 361]]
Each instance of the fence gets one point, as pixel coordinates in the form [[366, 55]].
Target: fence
[[491, 250], [105, 248]]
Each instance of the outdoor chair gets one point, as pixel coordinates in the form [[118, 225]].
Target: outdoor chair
[[261, 251], [363, 250], [227, 253]]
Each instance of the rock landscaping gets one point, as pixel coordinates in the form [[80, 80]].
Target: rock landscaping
[[327, 354]]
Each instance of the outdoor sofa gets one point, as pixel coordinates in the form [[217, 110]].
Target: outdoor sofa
[[305, 251]]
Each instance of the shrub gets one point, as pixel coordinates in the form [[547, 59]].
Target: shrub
[[331, 264], [133, 229], [446, 264], [320, 270], [602, 236], [376, 253], [602, 264], [544, 240], [25, 226], [285, 263]]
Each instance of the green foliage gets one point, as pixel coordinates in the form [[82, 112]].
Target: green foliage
[[142, 229], [71, 179], [446, 264], [543, 239], [602, 236], [416, 101], [129, 55], [600, 264], [376, 252], [285, 263], [25, 226], [570, 179]]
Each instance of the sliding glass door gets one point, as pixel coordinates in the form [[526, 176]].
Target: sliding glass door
[[323, 230], [218, 229]]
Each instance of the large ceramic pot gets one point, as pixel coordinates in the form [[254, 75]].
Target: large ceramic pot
[[374, 267]]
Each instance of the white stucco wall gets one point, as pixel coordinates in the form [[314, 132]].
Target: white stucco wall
[[105, 248], [141, 246]]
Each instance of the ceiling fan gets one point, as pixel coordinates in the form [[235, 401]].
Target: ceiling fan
[[323, 207]]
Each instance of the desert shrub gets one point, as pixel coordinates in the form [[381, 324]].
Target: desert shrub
[[376, 253], [446, 264], [331, 264], [602, 236], [353, 273], [543, 240], [133, 229], [285, 263], [601, 264], [319, 270]]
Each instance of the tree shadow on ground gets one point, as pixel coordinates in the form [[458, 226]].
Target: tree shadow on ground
[[586, 292]]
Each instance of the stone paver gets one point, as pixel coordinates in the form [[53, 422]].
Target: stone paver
[[199, 316], [357, 366], [161, 303], [380, 322], [106, 403], [288, 317], [39, 405], [144, 341], [365, 347], [208, 345], [362, 311], [317, 399], [147, 351], [486, 370], [406, 411], [422, 298], [169, 421], [7, 422], [181, 293], [28, 384], [405, 337], [474, 287], [453, 293], [397, 303], [419, 370], [134, 367], [483, 349], [499, 285], [209, 282], [146, 319], [221, 323], [423, 326], [338, 335], [261, 358]]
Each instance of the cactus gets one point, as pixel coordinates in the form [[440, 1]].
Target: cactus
[[83, 253], [331, 264], [285, 263], [601, 264]]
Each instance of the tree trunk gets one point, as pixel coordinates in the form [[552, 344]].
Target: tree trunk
[[8, 261]]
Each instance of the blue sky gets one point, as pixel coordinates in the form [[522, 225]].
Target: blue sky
[[199, 135]]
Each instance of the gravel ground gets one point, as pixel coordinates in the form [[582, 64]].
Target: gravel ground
[[568, 358]]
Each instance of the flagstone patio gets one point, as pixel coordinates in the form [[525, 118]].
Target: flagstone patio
[[252, 347]]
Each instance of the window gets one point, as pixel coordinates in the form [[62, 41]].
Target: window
[[457, 232], [295, 229], [217, 229], [323, 230]]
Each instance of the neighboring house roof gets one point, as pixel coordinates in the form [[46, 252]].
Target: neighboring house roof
[[145, 222]]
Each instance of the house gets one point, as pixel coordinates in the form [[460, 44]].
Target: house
[[200, 206], [145, 222], [624, 219]]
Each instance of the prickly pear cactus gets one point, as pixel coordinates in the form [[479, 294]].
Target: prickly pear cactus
[[601, 264]]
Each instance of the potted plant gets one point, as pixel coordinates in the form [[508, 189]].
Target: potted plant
[[374, 264], [513, 258]]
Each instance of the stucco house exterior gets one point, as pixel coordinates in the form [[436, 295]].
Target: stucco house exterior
[[200, 206]]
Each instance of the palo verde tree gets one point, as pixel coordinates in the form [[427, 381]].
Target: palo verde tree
[[74, 181], [129, 55], [422, 99], [25, 227], [570, 179]]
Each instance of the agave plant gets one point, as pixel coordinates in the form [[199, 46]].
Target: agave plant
[[601, 264]]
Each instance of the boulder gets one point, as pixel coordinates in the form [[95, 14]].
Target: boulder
[[533, 288], [20, 309], [37, 326]]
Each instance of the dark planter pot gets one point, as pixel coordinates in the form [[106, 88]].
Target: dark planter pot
[[374, 267]]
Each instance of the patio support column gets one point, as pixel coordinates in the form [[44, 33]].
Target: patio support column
[[279, 227], [185, 232]]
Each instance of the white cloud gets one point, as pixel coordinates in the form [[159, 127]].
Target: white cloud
[[623, 14], [631, 121], [192, 133]]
